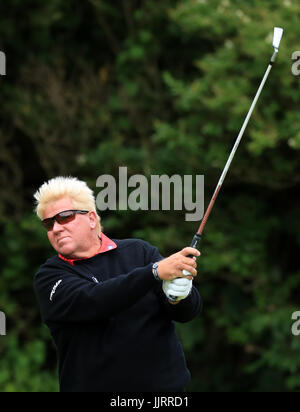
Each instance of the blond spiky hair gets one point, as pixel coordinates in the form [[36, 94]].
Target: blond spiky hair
[[78, 191]]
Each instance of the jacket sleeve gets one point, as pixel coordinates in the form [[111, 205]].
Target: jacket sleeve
[[65, 297], [184, 311]]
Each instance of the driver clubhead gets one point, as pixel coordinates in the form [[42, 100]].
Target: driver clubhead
[[278, 32]]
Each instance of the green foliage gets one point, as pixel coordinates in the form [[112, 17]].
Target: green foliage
[[161, 88]]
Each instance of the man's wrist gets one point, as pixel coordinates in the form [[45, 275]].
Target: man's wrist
[[155, 271]]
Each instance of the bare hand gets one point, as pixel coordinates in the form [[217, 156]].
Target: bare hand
[[171, 267]]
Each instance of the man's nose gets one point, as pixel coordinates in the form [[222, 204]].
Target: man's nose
[[57, 227]]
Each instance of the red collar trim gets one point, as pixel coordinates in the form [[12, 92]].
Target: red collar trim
[[106, 245]]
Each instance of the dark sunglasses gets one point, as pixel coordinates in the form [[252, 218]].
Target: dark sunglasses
[[63, 217]]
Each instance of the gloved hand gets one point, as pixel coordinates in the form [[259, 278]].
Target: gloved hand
[[179, 288]]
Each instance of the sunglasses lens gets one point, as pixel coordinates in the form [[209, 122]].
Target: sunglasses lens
[[62, 218], [48, 223], [65, 217]]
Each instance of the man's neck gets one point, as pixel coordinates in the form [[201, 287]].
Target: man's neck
[[105, 244], [91, 251]]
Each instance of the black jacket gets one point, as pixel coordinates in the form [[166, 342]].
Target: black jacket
[[111, 322]]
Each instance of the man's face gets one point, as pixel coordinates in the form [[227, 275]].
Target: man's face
[[74, 238]]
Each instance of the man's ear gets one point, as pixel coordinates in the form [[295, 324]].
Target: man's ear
[[93, 219]]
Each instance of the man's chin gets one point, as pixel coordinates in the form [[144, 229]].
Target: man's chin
[[66, 250]]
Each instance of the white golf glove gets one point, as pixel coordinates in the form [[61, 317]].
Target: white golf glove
[[178, 288]]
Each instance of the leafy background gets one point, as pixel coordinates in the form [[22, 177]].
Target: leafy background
[[160, 88]]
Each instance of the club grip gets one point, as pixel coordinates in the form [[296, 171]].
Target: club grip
[[195, 242]]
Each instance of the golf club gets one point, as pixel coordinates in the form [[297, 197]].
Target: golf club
[[278, 32]]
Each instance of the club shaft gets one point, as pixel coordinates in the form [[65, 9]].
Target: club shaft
[[228, 163], [197, 238], [234, 149]]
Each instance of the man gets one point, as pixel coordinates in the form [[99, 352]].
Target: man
[[110, 304]]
